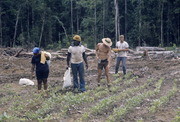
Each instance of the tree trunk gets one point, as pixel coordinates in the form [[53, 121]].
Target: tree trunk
[[16, 25], [28, 30], [1, 37], [72, 17], [42, 29], [117, 21], [63, 27], [125, 19], [95, 26], [140, 23], [103, 17], [162, 41], [178, 36], [77, 17], [167, 30]]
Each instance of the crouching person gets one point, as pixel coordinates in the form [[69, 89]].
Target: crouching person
[[76, 55], [39, 64]]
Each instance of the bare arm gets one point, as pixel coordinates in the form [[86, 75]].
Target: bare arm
[[97, 48], [68, 58], [47, 57], [109, 57], [33, 68], [85, 59]]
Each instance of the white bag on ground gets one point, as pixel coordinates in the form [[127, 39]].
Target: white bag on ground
[[25, 81], [67, 78]]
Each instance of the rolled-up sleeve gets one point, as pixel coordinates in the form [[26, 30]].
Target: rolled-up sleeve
[[70, 49], [127, 45]]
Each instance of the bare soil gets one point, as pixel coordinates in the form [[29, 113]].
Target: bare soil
[[14, 68]]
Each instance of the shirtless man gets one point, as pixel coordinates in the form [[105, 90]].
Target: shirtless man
[[103, 54]]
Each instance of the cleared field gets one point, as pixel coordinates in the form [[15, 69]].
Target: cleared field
[[149, 91]]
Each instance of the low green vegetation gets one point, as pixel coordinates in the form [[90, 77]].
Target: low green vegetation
[[98, 101], [120, 112], [157, 103]]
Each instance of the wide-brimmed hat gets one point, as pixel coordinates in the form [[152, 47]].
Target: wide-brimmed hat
[[77, 38], [107, 41]]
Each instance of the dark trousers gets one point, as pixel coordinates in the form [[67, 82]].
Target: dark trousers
[[118, 60], [78, 70]]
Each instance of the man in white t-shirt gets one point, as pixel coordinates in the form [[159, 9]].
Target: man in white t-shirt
[[76, 55], [123, 48]]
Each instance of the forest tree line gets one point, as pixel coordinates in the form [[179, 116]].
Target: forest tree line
[[52, 23]]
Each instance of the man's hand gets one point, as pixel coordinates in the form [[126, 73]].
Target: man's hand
[[47, 57], [67, 67]]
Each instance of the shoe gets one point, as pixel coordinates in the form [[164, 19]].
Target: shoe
[[81, 91]]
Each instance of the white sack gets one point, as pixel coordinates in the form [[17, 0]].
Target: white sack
[[67, 78], [25, 81]]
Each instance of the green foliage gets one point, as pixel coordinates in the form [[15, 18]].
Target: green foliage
[[54, 46], [162, 100], [31, 19], [120, 112], [4, 117]]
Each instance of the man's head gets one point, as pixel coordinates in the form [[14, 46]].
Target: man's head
[[76, 40], [107, 42], [121, 38], [36, 51]]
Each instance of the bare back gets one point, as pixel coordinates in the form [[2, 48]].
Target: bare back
[[102, 51]]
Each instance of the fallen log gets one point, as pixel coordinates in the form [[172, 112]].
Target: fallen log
[[150, 49], [17, 54], [161, 52], [59, 57]]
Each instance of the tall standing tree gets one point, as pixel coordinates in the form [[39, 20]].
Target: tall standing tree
[[1, 38], [125, 14], [140, 22], [72, 26], [162, 32], [103, 18], [117, 20], [95, 23], [16, 26]]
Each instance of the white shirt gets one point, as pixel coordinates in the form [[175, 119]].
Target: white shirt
[[76, 53], [123, 45]]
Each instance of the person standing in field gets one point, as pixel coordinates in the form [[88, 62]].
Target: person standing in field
[[103, 54], [39, 64], [76, 55], [122, 49]]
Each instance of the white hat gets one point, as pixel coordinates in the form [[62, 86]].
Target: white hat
[[107, 41]]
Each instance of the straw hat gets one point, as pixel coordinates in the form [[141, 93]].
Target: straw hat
[[77, 38], [107, 41]]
